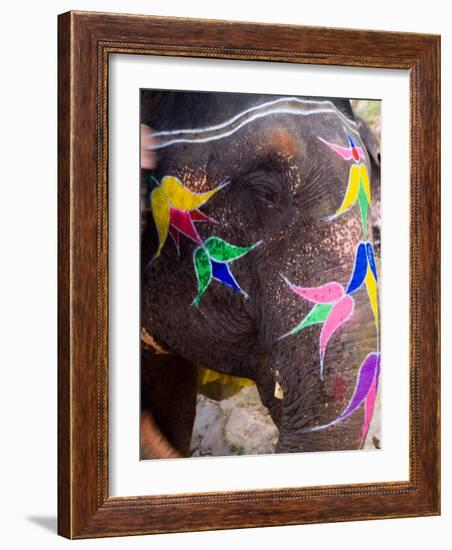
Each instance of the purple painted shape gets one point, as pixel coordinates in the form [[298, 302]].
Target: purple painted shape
[[368, 372], [325, 294]]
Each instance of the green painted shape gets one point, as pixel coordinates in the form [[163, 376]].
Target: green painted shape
[[203, 270], [363, 205], [318, 314], [221, 251]]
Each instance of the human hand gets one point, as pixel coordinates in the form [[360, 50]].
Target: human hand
[[148, 156]]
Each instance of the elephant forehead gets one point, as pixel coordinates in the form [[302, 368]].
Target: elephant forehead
[[281, 141], [289, 108], [202, 167], [203, 162]]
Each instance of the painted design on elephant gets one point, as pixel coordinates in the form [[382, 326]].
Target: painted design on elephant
[[282, 105], [358, 187], [351, 152], [333, 307], [212, 261], [176, 209], [365, 393], [365, 272]]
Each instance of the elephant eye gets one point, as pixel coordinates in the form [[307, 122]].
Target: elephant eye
[[265, 186]]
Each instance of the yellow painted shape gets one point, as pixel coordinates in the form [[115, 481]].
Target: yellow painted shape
[[161, 213], [352, 189], [372, 291], [365, 181], [208, 375], [182, 198]]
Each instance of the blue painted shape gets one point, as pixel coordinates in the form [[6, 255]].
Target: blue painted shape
[[371, 258], [352, 144], [360, 269], [222, 273]]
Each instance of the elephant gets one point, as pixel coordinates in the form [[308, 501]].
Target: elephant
[[257, 262]]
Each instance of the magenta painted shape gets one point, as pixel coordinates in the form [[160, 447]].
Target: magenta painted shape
[[175, 236], [369, 407], [198, 216], [325, 294], [341, 312], [344, 152], [183, 222]]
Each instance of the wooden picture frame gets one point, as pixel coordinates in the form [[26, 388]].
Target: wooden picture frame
[[85, 42]]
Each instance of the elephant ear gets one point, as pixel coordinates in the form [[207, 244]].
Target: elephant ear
[[370, 140], [344, 106]]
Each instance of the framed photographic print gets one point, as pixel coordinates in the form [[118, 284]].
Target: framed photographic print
[[248, 275]]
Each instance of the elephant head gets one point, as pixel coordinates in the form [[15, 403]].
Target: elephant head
[[257, 258]]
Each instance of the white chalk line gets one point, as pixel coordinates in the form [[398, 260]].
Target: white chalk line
[[260, 111]]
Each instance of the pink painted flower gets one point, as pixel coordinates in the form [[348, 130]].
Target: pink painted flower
[[347, 153], [333, 307], [175, 209]]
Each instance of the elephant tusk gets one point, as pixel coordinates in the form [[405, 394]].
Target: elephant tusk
[[279, 394]]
